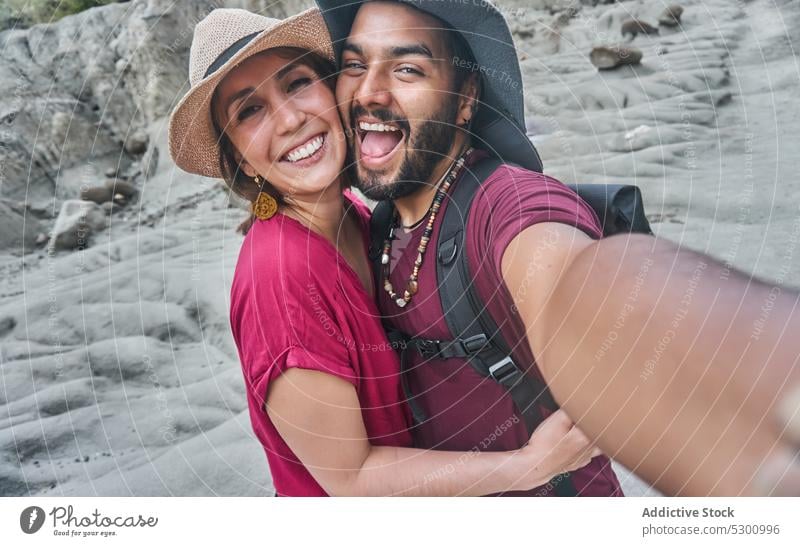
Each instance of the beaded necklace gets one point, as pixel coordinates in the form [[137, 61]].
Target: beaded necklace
[[412, 285]]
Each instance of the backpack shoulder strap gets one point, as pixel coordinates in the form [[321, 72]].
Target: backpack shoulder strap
[[477, 336], [379, 224]]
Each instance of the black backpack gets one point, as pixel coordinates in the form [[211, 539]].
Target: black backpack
[[475, 335]]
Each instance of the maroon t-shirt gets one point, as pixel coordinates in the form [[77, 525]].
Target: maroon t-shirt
[[463, 410], [296, 303]]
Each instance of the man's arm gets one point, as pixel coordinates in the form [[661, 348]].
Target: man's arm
[[534, 262], [319, 417], [664, 356]]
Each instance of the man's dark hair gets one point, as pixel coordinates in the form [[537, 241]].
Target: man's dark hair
[[464, 64], [458, 48]]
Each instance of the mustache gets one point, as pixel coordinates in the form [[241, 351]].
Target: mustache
[[382, 114]]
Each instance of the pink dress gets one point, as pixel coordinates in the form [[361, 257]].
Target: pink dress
[[296, 303]]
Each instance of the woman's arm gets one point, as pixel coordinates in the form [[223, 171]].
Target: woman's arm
[[319, 417]]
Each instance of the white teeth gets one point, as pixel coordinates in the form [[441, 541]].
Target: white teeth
[[307, 150], [364, 126]]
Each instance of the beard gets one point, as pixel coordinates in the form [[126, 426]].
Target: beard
[[429, 145]]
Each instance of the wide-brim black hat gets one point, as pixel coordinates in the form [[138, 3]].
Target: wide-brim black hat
[[499, 124]]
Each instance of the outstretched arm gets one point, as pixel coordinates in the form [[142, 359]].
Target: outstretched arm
[[671, 361], [319, 417]]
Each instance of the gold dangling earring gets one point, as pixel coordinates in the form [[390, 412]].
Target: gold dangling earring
[[265, 206]]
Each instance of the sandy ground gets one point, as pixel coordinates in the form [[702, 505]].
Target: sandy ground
[[119, 374]]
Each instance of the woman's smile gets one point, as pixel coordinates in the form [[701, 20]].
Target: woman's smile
[[308, 153]]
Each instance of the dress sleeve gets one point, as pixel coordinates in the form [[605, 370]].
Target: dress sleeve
[[283, 317]]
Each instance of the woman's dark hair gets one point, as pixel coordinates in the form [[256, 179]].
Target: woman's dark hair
[[238, 181]]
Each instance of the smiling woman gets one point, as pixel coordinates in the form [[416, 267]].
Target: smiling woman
[[323, 386], [237, 109]]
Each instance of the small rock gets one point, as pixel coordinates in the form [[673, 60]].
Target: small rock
[[41, 239], [671, 16], [634, 27], [642, 137], [7, 324], [75, 223], [120, 200], [111, 172], [97, 194], [525, 33], [85, 458], [42, 209], [131, 173], [640, 130], [563, 18], [723, 99], [613, 56], [137, 143], [124, 188]]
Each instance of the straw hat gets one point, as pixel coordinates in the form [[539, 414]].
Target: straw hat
[[222, 40]]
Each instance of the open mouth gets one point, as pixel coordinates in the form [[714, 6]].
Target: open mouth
[[378, 141], [307, 153]]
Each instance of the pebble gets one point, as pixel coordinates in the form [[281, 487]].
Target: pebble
[[609, 57]]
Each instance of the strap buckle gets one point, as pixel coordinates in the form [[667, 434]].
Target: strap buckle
[[474, 344], [458, 348], [505, 372], [397, 340], [428, 348]]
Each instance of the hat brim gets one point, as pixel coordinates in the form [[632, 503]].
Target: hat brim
[[193, 140]]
